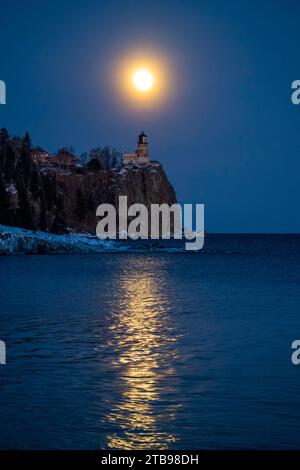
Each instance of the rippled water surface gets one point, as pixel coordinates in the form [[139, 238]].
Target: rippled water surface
[[153, 350]]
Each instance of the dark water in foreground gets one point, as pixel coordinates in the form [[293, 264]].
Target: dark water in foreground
[[153, 350]]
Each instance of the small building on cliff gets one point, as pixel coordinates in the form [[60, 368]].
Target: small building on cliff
[[40, 156], [64, 160], [141, 154]]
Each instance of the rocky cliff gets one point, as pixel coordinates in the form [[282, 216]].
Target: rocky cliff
[[60, 201], [58, 196], [143, 183]]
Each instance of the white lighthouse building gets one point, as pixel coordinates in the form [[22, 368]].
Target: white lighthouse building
[[141, 154]]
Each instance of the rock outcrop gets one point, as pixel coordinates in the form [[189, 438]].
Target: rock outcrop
[[61, 202], [144, 183]]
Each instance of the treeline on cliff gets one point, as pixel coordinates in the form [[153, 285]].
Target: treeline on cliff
[[32, 198]]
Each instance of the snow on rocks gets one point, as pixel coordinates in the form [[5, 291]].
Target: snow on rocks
[[11, 188], [15, 240], [19, 240]]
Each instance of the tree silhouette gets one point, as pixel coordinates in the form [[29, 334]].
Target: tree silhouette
[[5, 216]]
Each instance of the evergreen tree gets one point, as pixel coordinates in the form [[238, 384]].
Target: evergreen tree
[[26, 163], [49, 182], [94, 165], [59, 224], [5, 215], [4, 136], [25, 213], [16, 146], [4, 141], [43, 210], [27, 143], [35, 184]]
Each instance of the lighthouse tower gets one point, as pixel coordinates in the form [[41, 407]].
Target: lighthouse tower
[[142, 150], [141, 154]]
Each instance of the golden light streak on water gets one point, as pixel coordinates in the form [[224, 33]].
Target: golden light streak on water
[[143, 335]]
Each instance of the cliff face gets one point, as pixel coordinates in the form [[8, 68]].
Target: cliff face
[[82, 194], [60, 201]]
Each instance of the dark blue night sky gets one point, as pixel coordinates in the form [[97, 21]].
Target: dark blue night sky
[[228, 137]]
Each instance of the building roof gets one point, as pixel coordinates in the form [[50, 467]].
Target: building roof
[[38, 150]]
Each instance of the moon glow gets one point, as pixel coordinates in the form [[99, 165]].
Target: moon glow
[[143, 80]]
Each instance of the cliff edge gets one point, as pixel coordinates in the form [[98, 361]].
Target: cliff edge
[[62, 201], [82, 194]]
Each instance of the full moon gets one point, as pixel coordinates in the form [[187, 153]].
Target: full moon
[[143, 80]]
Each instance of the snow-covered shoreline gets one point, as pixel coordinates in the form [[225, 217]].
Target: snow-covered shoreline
[[15, 240]]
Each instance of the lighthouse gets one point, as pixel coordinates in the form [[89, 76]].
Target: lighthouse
[[141, 154], [142, 150]]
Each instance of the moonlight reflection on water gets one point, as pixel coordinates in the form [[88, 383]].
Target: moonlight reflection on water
[[142, 334]]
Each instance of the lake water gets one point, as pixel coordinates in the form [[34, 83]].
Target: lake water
[[153, 350]]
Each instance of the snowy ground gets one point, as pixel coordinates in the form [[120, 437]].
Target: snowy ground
[[15, 240], [19, 240]]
